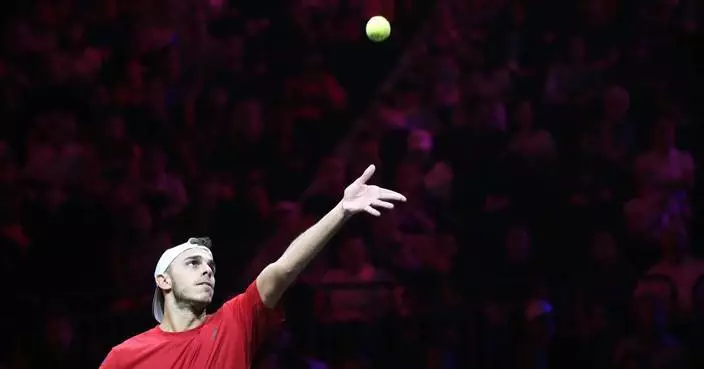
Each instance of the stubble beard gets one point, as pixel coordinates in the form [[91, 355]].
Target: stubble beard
[[185, 302]]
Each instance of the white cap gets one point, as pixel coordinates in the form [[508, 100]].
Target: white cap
[[164, 262]]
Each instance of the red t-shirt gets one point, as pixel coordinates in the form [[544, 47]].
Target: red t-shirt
[[227, 339]]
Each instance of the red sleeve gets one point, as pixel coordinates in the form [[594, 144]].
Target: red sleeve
[[252, 317], [111, 361]]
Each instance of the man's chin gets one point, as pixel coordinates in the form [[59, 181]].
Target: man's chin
[[203, 300], [200, 302]]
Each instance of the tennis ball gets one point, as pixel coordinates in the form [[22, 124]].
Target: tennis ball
[[378, 28]]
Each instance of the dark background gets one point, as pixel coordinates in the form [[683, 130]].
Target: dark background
[[549, 150]]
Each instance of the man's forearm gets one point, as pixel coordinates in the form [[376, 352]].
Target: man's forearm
[[309, 243], [279, 275]]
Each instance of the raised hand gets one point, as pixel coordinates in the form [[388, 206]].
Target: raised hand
[[359, 196]]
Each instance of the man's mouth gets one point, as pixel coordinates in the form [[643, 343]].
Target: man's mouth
[[205, 284]]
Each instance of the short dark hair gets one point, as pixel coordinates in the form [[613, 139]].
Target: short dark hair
[[201, 241]]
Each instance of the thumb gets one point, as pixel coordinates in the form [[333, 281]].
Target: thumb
[[368, 173]]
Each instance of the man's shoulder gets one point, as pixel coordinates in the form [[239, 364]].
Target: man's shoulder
[[141, 351]]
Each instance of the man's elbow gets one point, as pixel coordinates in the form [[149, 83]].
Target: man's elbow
[[272, 282]]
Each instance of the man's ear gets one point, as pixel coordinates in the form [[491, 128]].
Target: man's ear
[[163, 281]]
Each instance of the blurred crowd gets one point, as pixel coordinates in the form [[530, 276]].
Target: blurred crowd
[[547, 152], [546, 149], [128, 126]]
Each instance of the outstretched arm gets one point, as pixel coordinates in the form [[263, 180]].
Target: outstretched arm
[[273, 281]]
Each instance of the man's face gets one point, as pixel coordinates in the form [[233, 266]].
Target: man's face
[[191, 277]]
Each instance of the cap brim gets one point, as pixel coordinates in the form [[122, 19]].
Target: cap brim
[[158, 305]]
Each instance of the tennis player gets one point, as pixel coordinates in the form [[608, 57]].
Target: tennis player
[[188, 338]]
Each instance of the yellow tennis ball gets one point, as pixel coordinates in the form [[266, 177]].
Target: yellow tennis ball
[[378, 28]]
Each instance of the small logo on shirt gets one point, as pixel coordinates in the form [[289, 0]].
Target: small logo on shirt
[[213, 333]]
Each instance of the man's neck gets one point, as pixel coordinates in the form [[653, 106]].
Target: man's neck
[[181, 320]]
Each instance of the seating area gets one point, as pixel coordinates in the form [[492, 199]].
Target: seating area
[[129, 126], [550, 164], [547, 148]]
